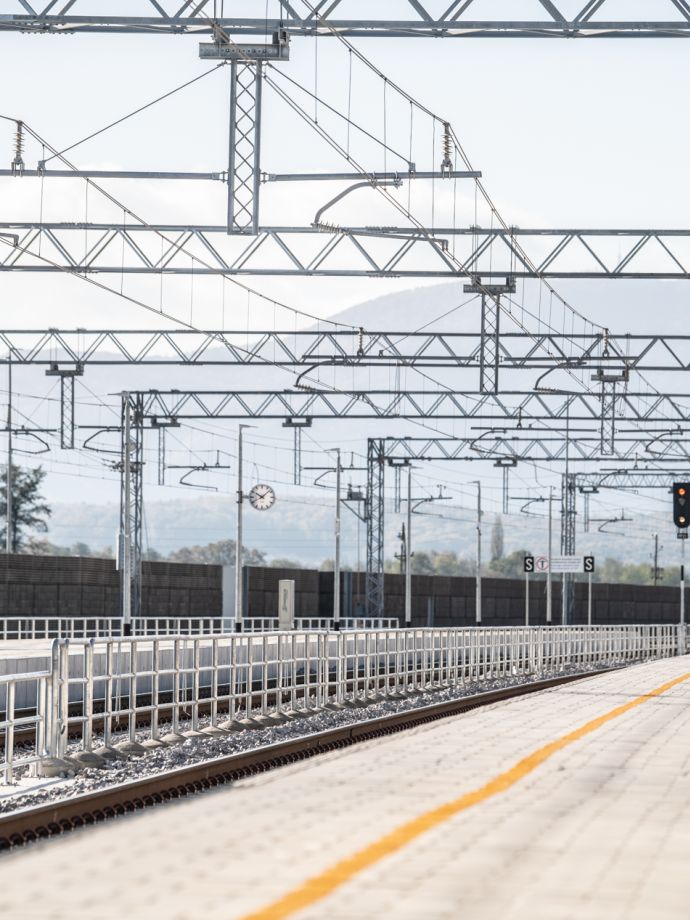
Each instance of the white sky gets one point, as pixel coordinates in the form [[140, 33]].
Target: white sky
[[582, 133]]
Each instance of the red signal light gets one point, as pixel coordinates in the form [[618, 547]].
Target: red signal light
[[681, 490]]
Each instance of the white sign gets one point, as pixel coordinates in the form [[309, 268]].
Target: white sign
[[567, 564], [559, 564], [216, 51]]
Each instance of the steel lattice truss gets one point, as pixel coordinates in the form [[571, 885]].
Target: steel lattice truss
[[381, 252], [631, 479], [542, 420], [572, 483], [404, 18], [517, 350], [546, 447], [521, 407], [547, 373], [518, 446]]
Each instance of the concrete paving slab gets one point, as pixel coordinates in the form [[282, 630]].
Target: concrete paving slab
[[598, 830]]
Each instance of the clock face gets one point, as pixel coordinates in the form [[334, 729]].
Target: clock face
[[262, 497]]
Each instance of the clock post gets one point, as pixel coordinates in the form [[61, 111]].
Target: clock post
[[238, 535], [336, 564]]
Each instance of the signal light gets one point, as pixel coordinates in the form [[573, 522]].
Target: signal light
[[681, 504]]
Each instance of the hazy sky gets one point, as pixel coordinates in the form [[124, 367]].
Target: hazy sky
[[567, 133], [581, 133]]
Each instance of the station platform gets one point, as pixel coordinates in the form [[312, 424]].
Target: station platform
[[570, 803], [12, 649]]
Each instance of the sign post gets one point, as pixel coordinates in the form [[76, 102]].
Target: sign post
[[589, 569], [548, 569], [681, 518], [682, 643], [478, 591], [529, 567], [545, 565], [589, 600]]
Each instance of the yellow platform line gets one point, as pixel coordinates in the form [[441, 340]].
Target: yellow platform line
[[318, 887]]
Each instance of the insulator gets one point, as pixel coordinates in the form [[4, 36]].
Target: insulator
[[18, 162], [360, 341], [446, 163]]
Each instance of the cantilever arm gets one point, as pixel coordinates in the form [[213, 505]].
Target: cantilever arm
[[395, 183]]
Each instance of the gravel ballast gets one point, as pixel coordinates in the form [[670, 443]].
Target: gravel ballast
[[197, 749]]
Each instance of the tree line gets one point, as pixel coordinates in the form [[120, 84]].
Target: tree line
[[31, 514]]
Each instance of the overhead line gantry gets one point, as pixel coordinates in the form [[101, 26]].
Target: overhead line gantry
[[393, 19]]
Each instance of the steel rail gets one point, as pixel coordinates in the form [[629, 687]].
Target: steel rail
[[46, 820]]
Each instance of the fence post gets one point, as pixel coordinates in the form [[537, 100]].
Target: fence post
[[87, 757], [87, 731], [155, 689], [52, 763], [63, 697], [9, 732], [339, 677], [53, 713]]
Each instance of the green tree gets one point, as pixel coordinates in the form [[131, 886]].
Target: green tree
[[497, 540], [449, 563], [220, 553], [328, 565], [445, 563], [29, 509], [510, 566], [283, 563], [613, 571], [35, 546], [422, 563]]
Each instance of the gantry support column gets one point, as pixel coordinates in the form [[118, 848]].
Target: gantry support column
[[131, 509], [505, 464], [244, 176], [608, 377], [375, 526], [297, 424], [297, 456], [490, 330], [568, 521], [67, 413], [161, 456], [608, 418]]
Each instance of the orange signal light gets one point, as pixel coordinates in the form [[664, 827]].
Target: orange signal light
[[681, 490]]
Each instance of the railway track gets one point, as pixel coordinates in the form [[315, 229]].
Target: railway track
[[30, 824]]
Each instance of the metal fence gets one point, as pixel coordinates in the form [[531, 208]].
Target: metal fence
[[271, 624], [106, 628], [15, 754], [128, 694]]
